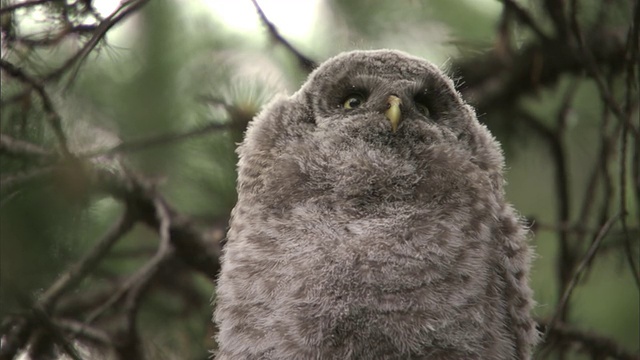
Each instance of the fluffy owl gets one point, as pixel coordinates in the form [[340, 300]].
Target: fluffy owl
[[371, 224]]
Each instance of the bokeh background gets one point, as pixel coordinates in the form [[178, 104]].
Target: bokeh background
[[129, 113]]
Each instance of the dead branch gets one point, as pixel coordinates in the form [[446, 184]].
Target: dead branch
[[53, 119], [79, 271], [587, 342], [306, 63], [24, 4]]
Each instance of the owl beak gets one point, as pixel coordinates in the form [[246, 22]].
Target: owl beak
[[393, 112]]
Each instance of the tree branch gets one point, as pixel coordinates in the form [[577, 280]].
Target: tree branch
[[20, 5], [591, 343], [81, 269], [488, 84], [306, 63], [586, 260], [52, 116]]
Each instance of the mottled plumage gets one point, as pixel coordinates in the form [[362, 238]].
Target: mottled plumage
[[354, 241]]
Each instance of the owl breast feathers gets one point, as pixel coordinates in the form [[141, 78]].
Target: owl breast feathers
[[371, 224]]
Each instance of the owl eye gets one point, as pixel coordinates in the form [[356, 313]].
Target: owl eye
[[424, 104], [353, 101], [423, 109]]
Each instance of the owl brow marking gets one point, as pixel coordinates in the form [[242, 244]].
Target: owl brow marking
[[434, 88], [348, 86], [420, 86], [361, 81]]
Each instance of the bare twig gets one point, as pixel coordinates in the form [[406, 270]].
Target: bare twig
[[589, 342], [566, 257], [15, 147], [192, 245], [80, 330], [55, 333], [608, 142], [20, 5], [526, 18], [78, 271], [586, 260], [136, 281], [7, 182], [126, 8], [594, 68], [130, 347], [556, 11], [52, 116], [554, 139], [162, 139], [157, 212], [305, 62], [15, 337], [623, 208], [65, 282], [489, 86], [632, 54], [54, 39]]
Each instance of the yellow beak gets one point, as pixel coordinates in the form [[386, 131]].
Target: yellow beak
[[393, 112]]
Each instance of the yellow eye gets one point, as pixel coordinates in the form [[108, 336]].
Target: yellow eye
[[353, 101]]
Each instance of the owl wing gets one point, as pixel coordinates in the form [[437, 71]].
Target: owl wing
[[517, 295], [239, 312]]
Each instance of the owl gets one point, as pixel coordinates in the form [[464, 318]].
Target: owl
[[371, 223]]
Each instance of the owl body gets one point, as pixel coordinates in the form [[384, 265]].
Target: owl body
[[352, 239]]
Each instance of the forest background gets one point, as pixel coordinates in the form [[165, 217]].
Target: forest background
[[119, 122]]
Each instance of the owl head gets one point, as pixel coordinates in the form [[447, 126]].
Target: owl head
[[379, 115]]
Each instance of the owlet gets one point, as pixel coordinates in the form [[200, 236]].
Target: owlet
[[371, 223]]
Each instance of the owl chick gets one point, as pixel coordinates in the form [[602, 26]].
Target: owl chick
[[371, 224]]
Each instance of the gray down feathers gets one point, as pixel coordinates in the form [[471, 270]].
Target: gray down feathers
[[350, 241]]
